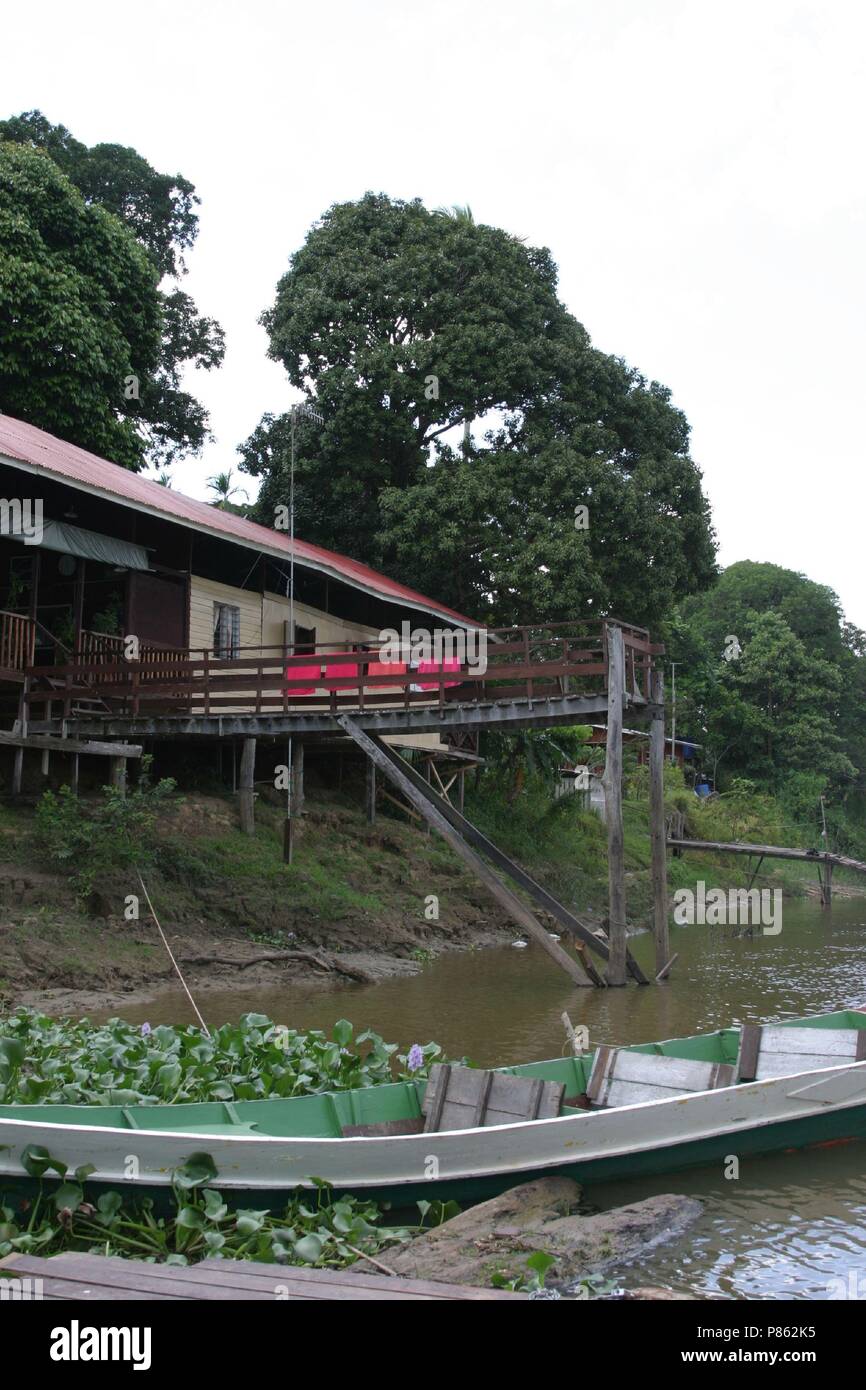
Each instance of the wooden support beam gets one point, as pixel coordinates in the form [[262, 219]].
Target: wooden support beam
[[246, 791], [578, 929], [297, 805], [118, 775], [661, 932], [516, 909], [370, 790], [70, 745], [616, 969]]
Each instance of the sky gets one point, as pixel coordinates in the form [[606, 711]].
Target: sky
[[696, 169]]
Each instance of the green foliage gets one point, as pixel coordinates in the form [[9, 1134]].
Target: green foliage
[[789, 712], [116, 832], [405, 324], [49, 1061], [86, 235], [314, 1228]]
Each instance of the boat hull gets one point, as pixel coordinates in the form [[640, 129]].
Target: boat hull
[[786, 1112]]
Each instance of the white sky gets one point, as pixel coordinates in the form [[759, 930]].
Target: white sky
[[695, 168]]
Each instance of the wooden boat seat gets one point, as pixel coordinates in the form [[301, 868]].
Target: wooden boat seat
[[619, 1077], [465, 1098], [776, 1051]]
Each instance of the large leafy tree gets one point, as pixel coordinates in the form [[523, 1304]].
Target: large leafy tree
[[406, 324], [782, 704], [79, 310], [159, 211]]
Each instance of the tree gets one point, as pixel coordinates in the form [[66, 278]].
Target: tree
[[782, 705], [159, 211], [80, 313], [223, 488], [405, 324]]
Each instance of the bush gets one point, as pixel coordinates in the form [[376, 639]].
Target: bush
[[118, 832]]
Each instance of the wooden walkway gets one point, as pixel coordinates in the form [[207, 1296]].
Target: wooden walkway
[[824, 860], [96, 1278]]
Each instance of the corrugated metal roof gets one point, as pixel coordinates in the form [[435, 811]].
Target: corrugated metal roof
[[32, 448]]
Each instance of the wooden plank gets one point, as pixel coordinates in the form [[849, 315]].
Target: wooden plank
[[466, 1098], [356, 1278], [747, 1056], [616, 968], [44, 742], [824, 1042], [508, 900]]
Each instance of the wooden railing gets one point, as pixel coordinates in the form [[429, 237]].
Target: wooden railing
[[17, 642], [538, 661], [106, 651]]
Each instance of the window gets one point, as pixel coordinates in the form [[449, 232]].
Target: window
[[226, 630]]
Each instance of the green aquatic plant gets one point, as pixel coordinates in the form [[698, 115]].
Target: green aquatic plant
[[314, 1228], [76, 1062]]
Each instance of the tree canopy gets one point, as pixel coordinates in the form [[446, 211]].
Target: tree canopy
[[47, 320], [404, 324], [784, 706]]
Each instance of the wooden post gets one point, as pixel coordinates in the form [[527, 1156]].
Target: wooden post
[[616, 969], [827, 884], [297, 779], [75, 770], [118, 774], [657, 825], [461, 789], [371, 791], [246, 798]]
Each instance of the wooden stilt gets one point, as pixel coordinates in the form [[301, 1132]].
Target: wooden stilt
[[297, 779], [616, 970], [118, 775], [371, 791], [461, 789], [247, 793], [661, 931], [74, 774]]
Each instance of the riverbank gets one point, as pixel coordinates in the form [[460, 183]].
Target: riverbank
[[359, 904]]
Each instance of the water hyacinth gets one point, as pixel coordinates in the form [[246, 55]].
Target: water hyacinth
[[76, 1062]]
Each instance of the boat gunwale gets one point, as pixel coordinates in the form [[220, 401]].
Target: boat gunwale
[[742, 1088]]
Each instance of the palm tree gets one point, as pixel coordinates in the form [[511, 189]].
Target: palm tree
[[221, 484], [456, 213], [164, 479]]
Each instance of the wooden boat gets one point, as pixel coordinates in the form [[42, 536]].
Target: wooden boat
[[613, 1113]]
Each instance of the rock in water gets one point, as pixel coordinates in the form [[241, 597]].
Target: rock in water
[[498, 1236]]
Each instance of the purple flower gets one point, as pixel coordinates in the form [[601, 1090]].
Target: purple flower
[[145, 1029], [415, 1059]]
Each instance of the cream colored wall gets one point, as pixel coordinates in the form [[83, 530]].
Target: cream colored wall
[[263, 618]]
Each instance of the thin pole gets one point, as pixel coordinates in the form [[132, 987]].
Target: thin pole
[[205, 1028], [674, 665]]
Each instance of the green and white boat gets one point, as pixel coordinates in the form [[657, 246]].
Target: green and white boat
[[611, 1113]]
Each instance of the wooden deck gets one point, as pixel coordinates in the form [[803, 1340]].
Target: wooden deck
[[98, 1278], [527, 664]]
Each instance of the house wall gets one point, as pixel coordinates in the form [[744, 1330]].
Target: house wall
[[262, 624]]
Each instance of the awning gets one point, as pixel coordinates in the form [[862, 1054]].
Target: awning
[[87, 545]]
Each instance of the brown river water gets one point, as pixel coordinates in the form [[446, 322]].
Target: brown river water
[[790, 1224]]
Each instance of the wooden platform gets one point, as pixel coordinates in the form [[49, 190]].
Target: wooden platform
[[95, 1278]]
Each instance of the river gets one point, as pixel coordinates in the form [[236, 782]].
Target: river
[[790, 1224]]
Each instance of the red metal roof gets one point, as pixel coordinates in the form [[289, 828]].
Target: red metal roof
[[35, 449]]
